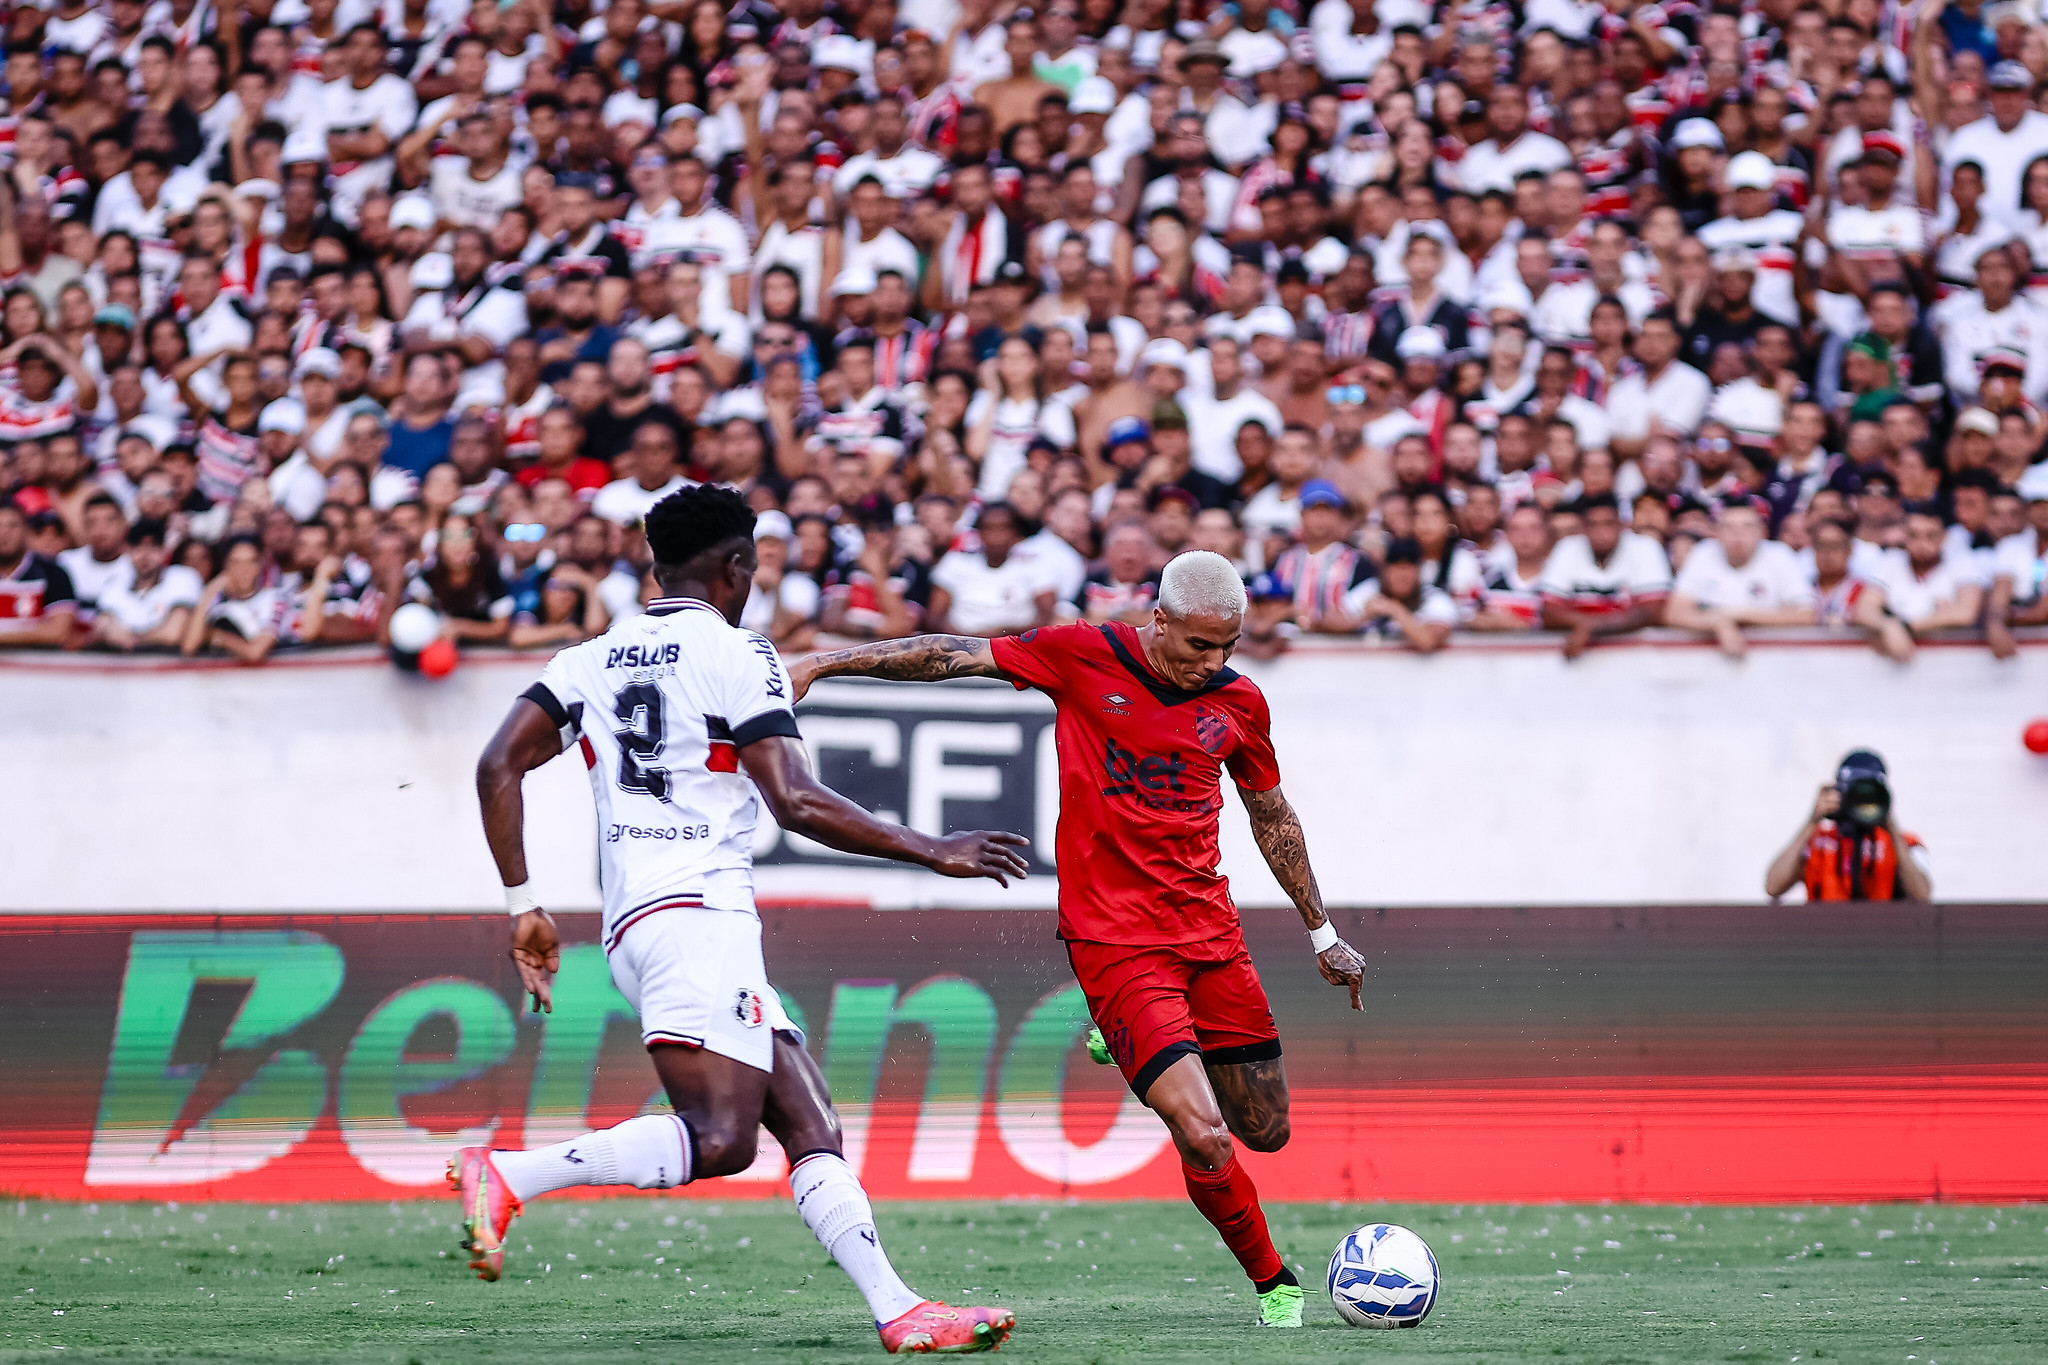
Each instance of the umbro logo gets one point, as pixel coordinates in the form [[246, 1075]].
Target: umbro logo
[[1115, 701]]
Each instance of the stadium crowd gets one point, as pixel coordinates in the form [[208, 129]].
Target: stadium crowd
[[1497, 315]]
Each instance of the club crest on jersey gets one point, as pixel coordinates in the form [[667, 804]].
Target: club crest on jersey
[[1212, 731], [750, 1009]]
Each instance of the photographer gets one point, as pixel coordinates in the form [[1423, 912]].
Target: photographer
[[1851, 848]]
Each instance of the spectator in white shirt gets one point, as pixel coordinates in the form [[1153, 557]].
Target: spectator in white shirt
[[149, 607], [98, 565], [1739, 579], [1927, 586], [990, 591], [652, 458], [2019, 572], [1603, 581], [1498, 162], [1668, 395]]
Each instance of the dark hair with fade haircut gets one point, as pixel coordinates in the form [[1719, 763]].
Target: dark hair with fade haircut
[[150, 529], [687, 523]]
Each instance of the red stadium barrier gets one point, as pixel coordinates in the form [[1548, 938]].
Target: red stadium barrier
[[1741, 1054]]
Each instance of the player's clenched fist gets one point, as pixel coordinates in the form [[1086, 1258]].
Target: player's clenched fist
[[996, 854], [1341, 965]]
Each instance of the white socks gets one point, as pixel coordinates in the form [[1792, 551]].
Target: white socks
[[650, 1152], [836, 1210]]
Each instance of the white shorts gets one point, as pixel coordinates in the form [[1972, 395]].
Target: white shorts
[[695, 977]]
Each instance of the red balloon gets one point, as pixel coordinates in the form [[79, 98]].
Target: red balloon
[[438, 659], [2037, 737]]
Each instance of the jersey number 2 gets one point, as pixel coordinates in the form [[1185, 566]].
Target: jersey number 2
[[641, 740]]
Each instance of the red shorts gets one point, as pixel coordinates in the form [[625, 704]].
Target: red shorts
[[1160, 1002]]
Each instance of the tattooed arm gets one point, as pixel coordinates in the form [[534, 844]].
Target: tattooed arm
[[1278, 832], [920, 658]]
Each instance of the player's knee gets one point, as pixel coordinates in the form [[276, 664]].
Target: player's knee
[[1204, 1145], [724, 1147]]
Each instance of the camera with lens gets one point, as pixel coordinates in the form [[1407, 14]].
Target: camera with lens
[[1866, 794]]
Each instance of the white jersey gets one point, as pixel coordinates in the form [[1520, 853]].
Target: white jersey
[[660, 706]]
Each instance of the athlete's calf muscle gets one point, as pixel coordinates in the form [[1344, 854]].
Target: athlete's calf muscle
[[798, 1112], [720, 1099], [1253, 1097]]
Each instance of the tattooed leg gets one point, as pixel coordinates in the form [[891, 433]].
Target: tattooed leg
[[1253, 1097]]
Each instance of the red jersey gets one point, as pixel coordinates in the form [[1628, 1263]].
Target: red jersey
[[1141, 769]]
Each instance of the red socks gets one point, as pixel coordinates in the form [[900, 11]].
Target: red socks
[[1228, 1199]]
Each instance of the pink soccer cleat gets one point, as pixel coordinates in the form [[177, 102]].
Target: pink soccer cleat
[[488, 1208], [932, 1326]]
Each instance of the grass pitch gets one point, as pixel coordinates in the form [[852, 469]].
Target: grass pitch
[[693, 1279]]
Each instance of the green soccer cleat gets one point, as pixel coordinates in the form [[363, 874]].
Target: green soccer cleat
[[1280, 1306], [1098, 1048]]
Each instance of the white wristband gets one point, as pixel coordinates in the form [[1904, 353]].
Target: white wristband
[[1322, 937], [519, 899]]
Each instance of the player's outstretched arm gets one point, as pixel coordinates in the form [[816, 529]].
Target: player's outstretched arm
[[1278, 831], [525, 740], [805, 806], [918, 658]]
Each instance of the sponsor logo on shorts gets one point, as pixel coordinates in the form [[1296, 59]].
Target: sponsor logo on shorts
[[750, 1009]]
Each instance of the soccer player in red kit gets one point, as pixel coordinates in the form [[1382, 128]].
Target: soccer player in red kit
[[1149, 721]]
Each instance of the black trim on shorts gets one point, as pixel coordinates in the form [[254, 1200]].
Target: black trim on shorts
[[762, 726], [1268, 1051], [1162, 1059], [540, 695]]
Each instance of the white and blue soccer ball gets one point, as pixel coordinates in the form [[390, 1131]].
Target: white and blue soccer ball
[[1383, 1276]]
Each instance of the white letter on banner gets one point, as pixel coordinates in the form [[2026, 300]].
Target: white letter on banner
[[880, 739], [933, 781]]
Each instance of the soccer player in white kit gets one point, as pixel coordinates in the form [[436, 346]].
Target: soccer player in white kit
[[674, 711]]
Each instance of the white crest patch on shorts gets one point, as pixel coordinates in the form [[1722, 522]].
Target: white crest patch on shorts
[[750, 1009]]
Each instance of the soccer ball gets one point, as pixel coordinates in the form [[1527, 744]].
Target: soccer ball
[[1383, 1276]]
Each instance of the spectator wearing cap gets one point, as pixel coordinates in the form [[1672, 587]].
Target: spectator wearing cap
[[149, 608], [782, 604], [1665, 395], [1603, 581], [1758, 225], [1739, 579], [1322, 566], [1882, 239], [990, 590], [1696, 145], [1993, 316], [2003, 143], [1398, 605], [2019, 571]]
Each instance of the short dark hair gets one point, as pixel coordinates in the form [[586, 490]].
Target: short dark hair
[[151, 530], [687, 524], [1402, 550], [1590, 501]]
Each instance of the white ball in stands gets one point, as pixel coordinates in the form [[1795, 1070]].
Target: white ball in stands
[[414, 626]]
